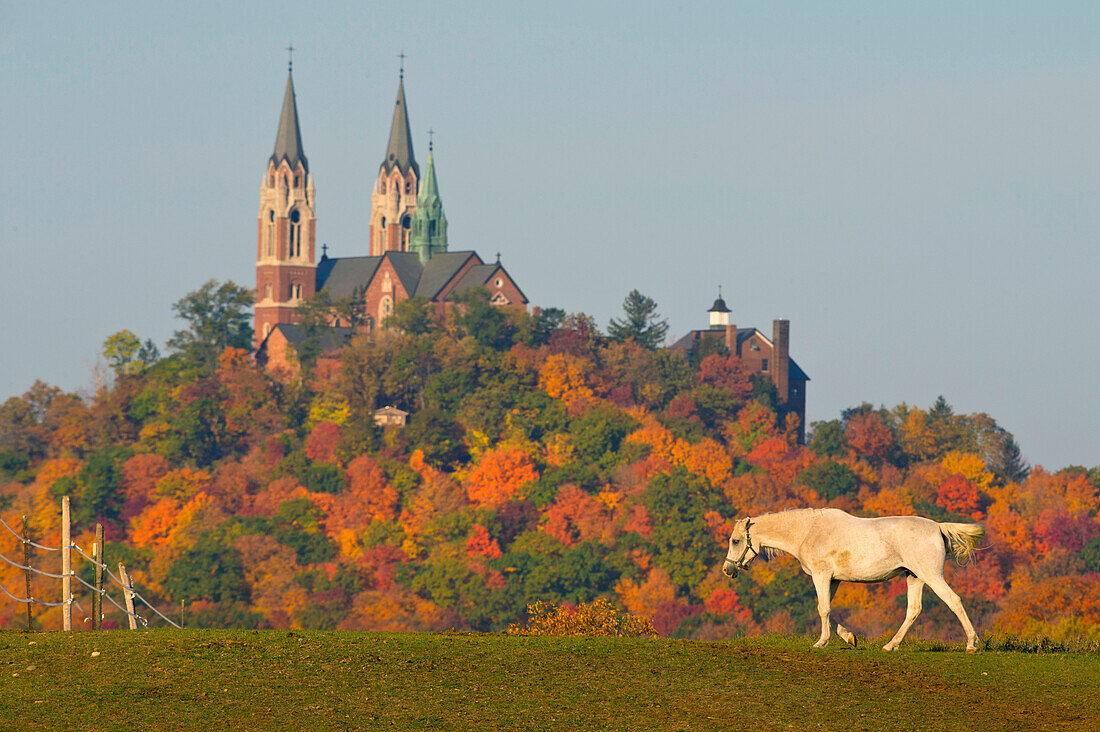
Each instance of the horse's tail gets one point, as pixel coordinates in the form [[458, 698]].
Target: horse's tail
[[962, 539]]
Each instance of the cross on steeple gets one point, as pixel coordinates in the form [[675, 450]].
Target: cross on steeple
[[290, 59], [430, 133], [324, 251], [498, 257], [402, 56]]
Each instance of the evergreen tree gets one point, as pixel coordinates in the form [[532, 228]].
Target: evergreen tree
[[640, 322]]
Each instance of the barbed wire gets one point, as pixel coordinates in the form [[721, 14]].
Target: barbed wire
[[26, 600], [72, 545], [28, 568], [25, 540]]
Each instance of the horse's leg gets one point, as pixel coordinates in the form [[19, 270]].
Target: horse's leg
[[940, 587], [822, 583], [845, 635], [916, 589]]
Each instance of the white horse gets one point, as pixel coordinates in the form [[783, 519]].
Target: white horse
[[834, 547]]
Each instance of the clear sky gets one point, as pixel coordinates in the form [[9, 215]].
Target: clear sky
[[913, 185]]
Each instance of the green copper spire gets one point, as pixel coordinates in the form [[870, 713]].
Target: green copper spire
[[429, 225]]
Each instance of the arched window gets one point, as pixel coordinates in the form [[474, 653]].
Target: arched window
[[382, 188], [408, 187], [267, 291], [295, 181], [385, 309], [295, 234], [406, 224]]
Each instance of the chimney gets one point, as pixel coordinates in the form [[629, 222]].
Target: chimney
[[731, 339], [781, 358]]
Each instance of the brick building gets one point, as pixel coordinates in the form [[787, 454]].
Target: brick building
[[767, 356], [407, 253]]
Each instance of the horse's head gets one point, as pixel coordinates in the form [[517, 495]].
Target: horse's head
[[741, 550]]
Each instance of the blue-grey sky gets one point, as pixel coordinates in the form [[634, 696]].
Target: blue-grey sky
[[913, 185]]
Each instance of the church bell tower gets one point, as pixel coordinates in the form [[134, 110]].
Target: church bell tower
[[393, 200], [285, 256]]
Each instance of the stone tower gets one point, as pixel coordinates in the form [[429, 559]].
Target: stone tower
[[285, 257], [393, 200], [429, 224]]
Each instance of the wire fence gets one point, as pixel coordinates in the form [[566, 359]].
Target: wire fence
[[102, 592]]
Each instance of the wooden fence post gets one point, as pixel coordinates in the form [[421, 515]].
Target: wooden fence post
[[128, 593], [97, 598], [27, 571], [66, 568]]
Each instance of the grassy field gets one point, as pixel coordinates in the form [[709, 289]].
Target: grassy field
[[166, 679]]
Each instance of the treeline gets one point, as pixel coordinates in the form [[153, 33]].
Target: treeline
[[542, 460]]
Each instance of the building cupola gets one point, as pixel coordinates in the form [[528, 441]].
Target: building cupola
[[719, 313]]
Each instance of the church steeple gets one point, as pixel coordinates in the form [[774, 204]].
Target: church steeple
[[399, 151], [288, 141], [393, 200], [287, 227], [429, 224]]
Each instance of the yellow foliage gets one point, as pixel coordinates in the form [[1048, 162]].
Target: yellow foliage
[[563, 377], [596, 618], [329, 407], [969, 466], [559, 450], [183, 484]]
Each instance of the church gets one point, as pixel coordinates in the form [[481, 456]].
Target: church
[[406, 253]]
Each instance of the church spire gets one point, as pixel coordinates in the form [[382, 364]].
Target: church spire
[[399, 151], [429, 224], [288, 141]]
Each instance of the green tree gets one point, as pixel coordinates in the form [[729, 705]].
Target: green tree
[[126, 354], [413, 316], [830, 479], [483, 321], [640, 322], [218, 317]]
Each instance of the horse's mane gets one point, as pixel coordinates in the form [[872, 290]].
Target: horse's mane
[[770, 552]]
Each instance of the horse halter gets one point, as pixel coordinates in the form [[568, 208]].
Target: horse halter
[[741, 564]]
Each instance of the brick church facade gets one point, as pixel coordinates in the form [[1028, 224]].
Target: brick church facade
[[406, 253]]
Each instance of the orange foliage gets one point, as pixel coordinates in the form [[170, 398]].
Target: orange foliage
[[480, 544], [56, 469], [1030, 603], [755, 422], [647, 597], [578, 516], [638, 520], [500, 476], [396, 609], [155, 524], [728, 373], [781, 459]]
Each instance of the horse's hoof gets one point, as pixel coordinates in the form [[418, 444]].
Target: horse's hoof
[[888, 647], [971, 650]]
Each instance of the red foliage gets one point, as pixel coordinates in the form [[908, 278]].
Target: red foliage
[[139, 479], [724, 600], [959, 495], [670, 614], [1059, 528], [682, 406], [321, 443], [868, 434], [638, 521], [728, 373]]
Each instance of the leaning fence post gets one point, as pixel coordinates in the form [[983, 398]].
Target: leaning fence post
[[27, 571], [66, 568], [97, 598], [128, 593]]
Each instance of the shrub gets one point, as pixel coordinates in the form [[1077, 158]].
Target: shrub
[[596, 618]]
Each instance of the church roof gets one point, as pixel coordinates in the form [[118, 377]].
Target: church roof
[[330, 338], [399, 151], [341, 276], [288, 141], [408, 269], [440, 270]]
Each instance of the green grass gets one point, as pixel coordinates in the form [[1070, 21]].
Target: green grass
[[217, 680]]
